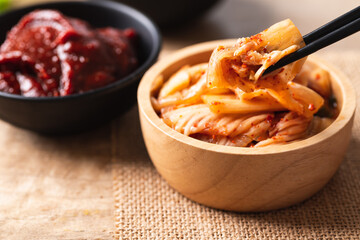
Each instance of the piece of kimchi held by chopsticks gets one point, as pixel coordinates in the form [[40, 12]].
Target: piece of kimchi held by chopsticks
[[241, 66]]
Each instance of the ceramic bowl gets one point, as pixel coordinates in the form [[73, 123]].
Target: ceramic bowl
[[73, 113], [237, 178], [172, 14]]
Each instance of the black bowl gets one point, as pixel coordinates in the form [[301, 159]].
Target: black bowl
[[169, 14], [73, 113]]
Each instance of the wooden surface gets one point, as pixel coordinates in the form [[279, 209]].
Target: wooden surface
[[243, 179], [235, 18], [47, 187]]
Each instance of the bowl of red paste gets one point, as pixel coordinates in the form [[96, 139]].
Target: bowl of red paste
[[71, 66]]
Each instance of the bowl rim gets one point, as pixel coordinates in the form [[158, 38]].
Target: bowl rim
[[120, 83], [345, 116]]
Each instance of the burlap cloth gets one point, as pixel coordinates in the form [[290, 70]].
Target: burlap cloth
[[55, 187], [148, 208], [65, 188]]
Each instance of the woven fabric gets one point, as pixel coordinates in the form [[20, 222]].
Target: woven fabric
[[55, 187], [148, 208]]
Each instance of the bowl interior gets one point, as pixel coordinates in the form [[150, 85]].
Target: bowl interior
[[199, 53]]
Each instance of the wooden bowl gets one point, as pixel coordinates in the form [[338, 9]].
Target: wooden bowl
[[237, 178]]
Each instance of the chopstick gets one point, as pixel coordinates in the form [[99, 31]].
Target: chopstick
[[331, 32]]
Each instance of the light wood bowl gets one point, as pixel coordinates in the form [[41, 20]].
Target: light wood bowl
[[243, 179]]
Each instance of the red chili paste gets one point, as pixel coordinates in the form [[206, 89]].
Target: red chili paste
[[49, 54]]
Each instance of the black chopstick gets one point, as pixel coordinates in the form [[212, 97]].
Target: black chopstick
[[326, 35]]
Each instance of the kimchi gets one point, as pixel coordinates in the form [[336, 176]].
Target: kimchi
[[229, 101]]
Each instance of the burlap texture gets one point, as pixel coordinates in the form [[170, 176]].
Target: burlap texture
[[55, 187], [148, 208]]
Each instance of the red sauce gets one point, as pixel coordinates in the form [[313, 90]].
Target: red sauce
[[49, 54], [311, 107]]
